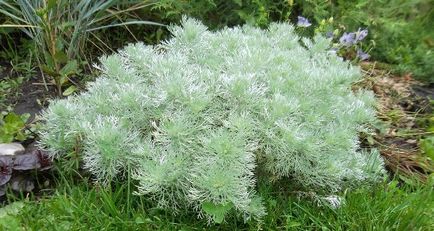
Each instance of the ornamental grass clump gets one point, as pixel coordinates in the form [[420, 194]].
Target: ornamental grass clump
[[199, 119]]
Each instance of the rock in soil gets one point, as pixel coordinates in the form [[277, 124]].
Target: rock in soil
[[11, 149]]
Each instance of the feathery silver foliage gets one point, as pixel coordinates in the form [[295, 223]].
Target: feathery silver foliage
[[193, 118]]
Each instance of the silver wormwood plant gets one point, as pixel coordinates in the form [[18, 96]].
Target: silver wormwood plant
[[194, 120]]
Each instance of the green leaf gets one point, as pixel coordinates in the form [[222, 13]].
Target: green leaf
[[25, 117], [126, 23], [8, 216], [370, 140], [48, 60], [218, 211], [6, 137], [70, 90], [60, 57], [293, 224], [12, 127], [20, 136], [12, 118], [427, 146], [50, 71], [70, 68], [14, 121], [41, 12], [239, 2], [59, 47], [11, 209], [65, 25], [62, 80], [51, 4], [408, 180], [139, 220]]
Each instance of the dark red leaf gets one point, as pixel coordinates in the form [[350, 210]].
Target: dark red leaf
[[44, 159], [26, 162], [4, 179], [6, 164]]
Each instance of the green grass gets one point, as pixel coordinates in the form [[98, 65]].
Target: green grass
[[86, 207]]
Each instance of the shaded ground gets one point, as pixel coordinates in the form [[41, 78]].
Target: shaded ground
[[31, 96], [425, 91]]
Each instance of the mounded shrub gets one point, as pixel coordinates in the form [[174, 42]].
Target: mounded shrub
[[199, 119]]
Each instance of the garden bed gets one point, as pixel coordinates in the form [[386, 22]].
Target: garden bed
[[234, 129]]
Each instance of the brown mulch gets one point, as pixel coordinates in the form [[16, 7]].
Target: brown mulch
[[401, 108]]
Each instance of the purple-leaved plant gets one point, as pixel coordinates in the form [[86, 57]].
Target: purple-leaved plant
[[36, 159], [6, 164]]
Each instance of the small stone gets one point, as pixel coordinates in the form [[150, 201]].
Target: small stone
[[22, 184], [11, 149]]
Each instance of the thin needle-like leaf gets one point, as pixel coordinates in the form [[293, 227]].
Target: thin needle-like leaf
[[127, 23]]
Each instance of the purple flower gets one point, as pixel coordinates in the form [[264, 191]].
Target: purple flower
[[362, 55], [361, 34], [348, 39], [329, 34], [303, 22]]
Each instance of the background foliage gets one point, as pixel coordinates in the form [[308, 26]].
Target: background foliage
[[400, 30], [61, 29]]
